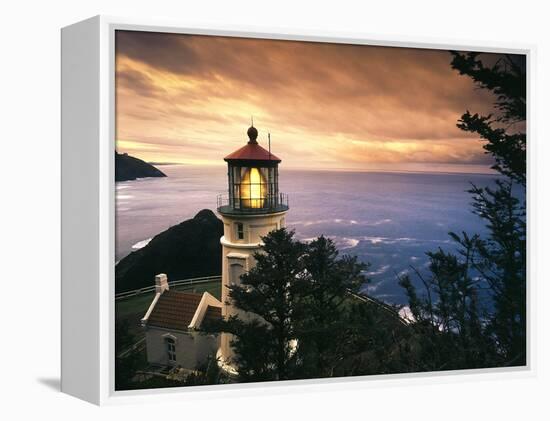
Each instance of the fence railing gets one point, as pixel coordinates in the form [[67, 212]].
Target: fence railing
[[218, 278], [173, 284], [382, 305], [135, 347]]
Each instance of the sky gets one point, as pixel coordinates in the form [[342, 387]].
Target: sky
[[189, 99]]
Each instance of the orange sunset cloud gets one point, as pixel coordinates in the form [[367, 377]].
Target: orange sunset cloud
[[188, 99]]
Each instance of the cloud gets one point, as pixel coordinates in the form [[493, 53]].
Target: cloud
[[338, 105]]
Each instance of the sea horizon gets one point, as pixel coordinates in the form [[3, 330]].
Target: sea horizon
[[481, 169], [387, 218]]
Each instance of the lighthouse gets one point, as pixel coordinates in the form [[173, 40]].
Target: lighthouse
[[253, 207]]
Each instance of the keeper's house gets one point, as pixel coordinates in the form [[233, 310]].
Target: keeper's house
[[172, 323]]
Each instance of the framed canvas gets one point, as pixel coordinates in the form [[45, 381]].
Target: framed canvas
[[247, 210]]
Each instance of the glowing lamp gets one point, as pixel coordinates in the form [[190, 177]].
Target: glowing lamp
[[253, 191]]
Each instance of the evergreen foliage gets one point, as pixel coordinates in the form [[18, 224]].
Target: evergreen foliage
[[125, 367], [324, 318], [504, 133], [297, 319], [473, 310], [264, 345]]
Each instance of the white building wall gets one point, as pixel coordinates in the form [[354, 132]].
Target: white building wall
[[192, 348]]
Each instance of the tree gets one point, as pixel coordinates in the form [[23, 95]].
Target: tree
[[263, 343], [449, 313], [503, 134], [304, 323], [125, 367], [207, 373], [502, 257], [324, 317], [447, 317]]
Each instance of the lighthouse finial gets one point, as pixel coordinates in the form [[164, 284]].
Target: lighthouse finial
[[252, 132]]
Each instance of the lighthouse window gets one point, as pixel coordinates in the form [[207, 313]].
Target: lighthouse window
[[240, 230]]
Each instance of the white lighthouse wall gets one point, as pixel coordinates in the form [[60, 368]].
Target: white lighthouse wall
[[237, 255], [254, 227]]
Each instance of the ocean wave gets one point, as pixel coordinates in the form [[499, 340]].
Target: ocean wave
[[406, 314], [345, 243], [375, 240], [351, 242], [341, 243], [371, 288], [389, 240], [308, 240], [141, 244], [380, 271], [380, 222]]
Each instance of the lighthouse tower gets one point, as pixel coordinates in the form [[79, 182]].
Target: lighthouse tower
[[253, 207]]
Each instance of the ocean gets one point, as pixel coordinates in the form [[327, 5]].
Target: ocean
[[387, 219]]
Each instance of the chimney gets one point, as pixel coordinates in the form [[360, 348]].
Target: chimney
[[161, 283]]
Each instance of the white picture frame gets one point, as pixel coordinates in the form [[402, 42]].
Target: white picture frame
[[88, 212]]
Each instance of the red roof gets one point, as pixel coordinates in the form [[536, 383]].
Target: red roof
[[175, 310], [252, 151]]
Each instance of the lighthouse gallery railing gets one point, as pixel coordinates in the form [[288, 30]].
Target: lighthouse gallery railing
[[267, 204]]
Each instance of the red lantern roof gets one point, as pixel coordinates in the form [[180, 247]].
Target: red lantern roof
[[252, 151]]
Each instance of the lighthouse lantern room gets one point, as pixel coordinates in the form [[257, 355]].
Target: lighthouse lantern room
[[253, 176], [253, 207]]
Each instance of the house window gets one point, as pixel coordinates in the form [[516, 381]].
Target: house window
[[171, 349], [240, 230]]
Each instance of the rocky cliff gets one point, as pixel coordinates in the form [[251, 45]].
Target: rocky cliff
[[129, 168], [189, 249]]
